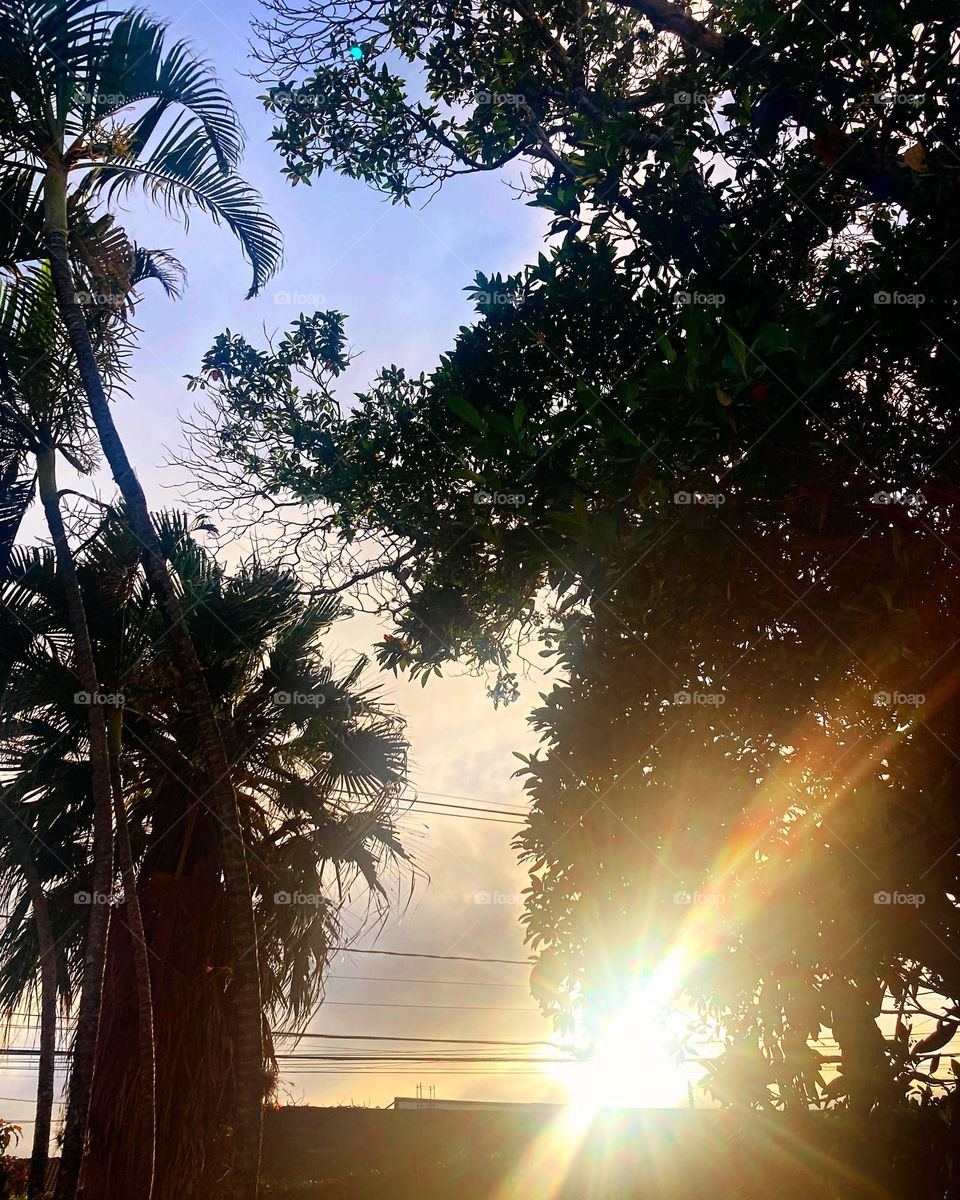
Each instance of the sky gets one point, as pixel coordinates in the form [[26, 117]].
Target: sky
[[399, 274]]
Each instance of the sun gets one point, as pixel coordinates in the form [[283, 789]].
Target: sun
[[628, 1067], [628, 1064]]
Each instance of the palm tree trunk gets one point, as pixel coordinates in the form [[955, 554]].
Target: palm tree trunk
[[141, 966], [39, 1155], [95, 949], [248, 1111]]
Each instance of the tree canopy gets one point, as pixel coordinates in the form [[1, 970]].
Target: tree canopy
[[703, 451]]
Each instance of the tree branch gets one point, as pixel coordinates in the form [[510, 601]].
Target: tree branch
[[836, 149], [669, 18]]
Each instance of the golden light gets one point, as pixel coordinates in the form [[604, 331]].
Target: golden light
[[629, 1066]]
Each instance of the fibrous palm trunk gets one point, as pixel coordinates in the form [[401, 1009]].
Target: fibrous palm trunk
[[39, 1155], [183, 899], [141, 966], [94, 956], [210, 752]]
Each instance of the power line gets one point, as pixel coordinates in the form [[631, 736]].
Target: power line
[[382, 1076], [469, 799], [383, 1037], [423, 1058], [448, 1007], [474, 805], [456, 816], [361, 1004], [514, 962], [436, 982], [502, 812], [385, 1058], [30, 1051], [33, 1025]]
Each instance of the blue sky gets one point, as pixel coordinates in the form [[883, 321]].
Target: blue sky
[[399, 274]]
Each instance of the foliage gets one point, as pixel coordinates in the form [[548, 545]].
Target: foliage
[[99, 95], [318, 762], [615, 118], [13, 1171], [704, 450], [317, 774], [9, 1134]]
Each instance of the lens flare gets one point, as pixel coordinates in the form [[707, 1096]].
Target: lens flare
[[628, 1064]]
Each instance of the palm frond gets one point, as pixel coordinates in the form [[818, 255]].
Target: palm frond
[[180, 176], [316, 786], [17, 475], [16, 495], [40, 386], [70, 69], [161, 265], [21, 215], [49, 46], [135, 66]]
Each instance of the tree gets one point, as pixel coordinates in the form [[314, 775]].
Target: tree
[[407, 96], [704, 450], [39, 1155], [41, 413], [317, 774], [315, 778], [88, 1021], [73, 71], [41, 836]]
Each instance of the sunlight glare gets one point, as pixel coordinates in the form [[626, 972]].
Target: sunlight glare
[[630, 1066]]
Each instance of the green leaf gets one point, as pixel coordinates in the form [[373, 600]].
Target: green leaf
[[739, 348], [463, 408]]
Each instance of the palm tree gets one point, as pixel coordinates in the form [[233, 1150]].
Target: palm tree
[[39, 412], [94, 98], [88, 1017], [37, 843], [315, 779], [15, 836]]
